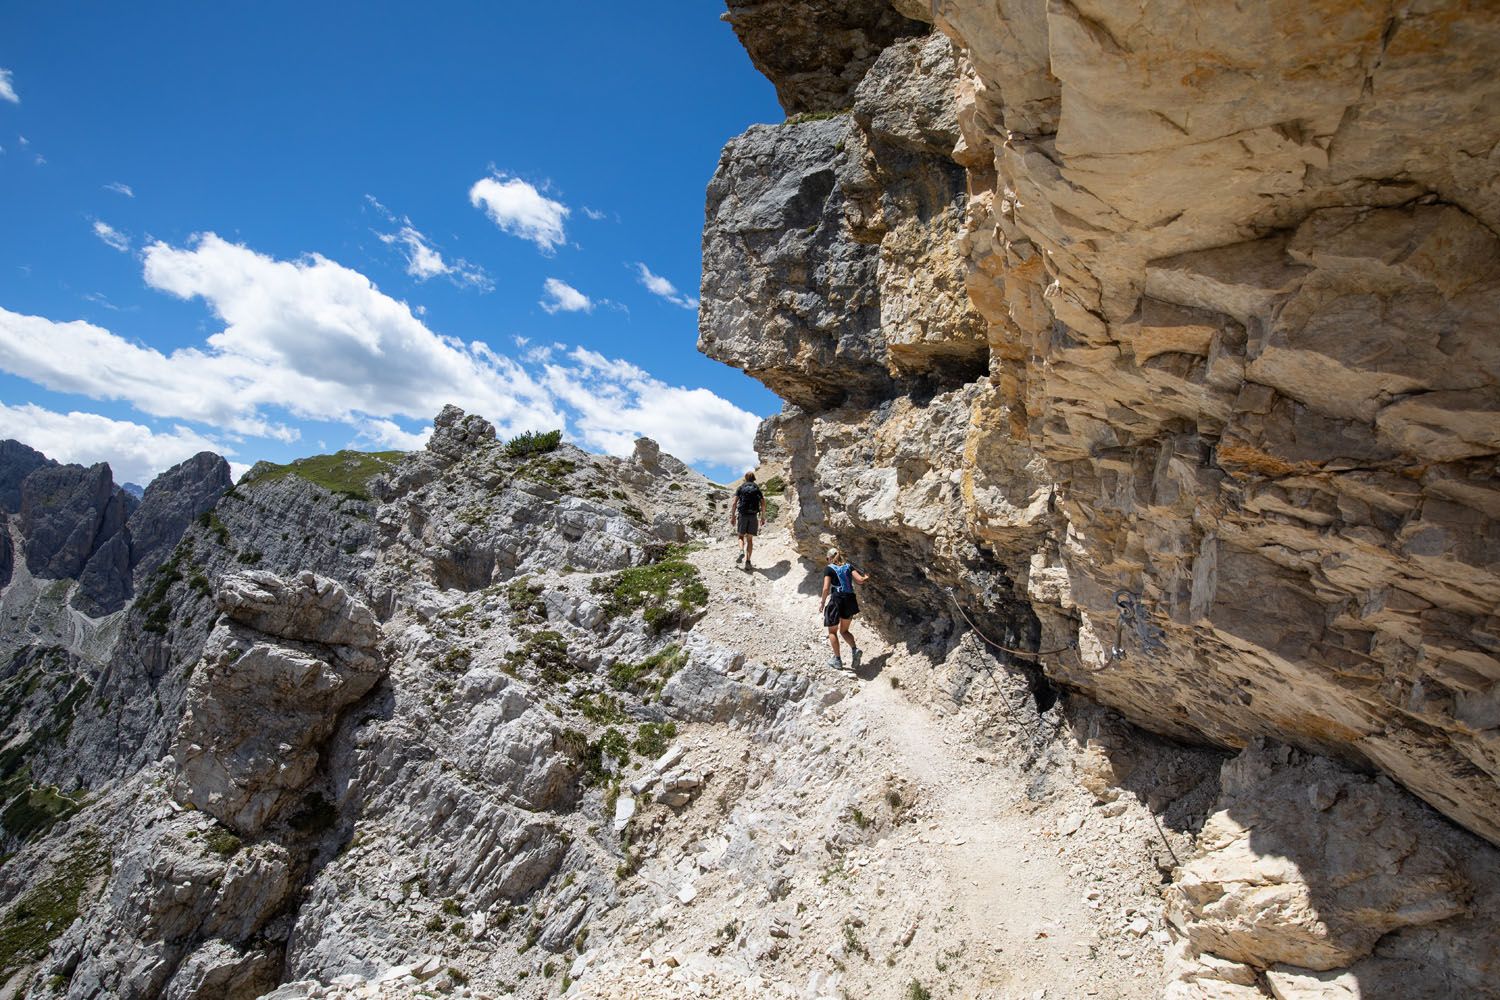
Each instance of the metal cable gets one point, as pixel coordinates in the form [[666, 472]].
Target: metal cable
[[992, 642]]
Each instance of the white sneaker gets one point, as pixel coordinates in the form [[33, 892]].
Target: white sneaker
[[834, 663]]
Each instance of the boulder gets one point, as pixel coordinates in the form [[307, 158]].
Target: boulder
[[1307, 864], [267, 693]]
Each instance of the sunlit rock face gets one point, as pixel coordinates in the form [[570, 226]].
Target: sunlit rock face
[[1194, 302]]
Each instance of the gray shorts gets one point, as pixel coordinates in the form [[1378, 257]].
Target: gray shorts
[[749, 524]]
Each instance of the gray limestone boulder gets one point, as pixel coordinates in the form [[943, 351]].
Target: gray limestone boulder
[[265, 698], [789, 295], [305, 607]]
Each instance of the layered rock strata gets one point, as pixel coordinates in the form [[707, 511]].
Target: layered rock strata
[[1222, 364], [288, 657]]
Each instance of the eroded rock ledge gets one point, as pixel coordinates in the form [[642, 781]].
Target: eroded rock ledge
[[1066, 306]]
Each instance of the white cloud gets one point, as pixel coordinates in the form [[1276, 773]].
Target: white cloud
[[8, 87], [423, 260], [594, 213], [563, 297], [309, 339], [520, 209], [119, 188], [111, 236], [659, 286], [135, 452], [389, 434], [308, 336], [617, 402]]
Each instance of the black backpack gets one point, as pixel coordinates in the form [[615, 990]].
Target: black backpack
[[751, 500]]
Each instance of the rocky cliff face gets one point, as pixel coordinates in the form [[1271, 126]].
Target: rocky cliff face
[[78, 525], [1161, 340], [1071, 303]]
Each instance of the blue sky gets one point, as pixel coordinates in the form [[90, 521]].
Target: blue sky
[[275, 229]]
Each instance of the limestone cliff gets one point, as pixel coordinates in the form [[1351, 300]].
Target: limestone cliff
[[1071, 311], [1160, 340]]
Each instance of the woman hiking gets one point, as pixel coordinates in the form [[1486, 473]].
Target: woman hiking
[[840, 606]]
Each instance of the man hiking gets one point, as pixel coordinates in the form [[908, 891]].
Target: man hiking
[[840, 606], [745, 515]]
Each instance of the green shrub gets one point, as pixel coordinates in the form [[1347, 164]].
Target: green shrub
[[223, 843], [548, 652], [650, 674], [667, 593], [775, 486], [596, 706], [652, 738], [533, 443], [525, 599], [591, 754]]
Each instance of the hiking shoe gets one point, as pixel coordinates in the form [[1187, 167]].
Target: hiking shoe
[[834, 663], [739, 557], [854, 657], [748, 567]]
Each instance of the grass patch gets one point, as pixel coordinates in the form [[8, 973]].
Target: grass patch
[[652, 738], [533, 443], [344, 473], [667, 593], [34, 811], [916, 991], [775, 487], [155, 607], [595, 755], [553, 472], [223, 843], [525, 600], [548, 652], [651, 674], [596, 706], [48, 908]]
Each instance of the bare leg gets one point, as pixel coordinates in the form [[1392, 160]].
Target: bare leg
[[749, 546], [844, 631], [833, 640]]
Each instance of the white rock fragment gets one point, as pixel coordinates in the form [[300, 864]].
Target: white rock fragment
[[624, 812]]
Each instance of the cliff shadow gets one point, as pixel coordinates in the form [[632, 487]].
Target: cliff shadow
[[775, 571]]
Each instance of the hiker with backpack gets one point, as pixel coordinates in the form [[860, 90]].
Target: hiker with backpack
[[745, 514], [840, 606]]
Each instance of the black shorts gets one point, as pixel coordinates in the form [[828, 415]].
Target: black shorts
[[749, 524], [847, 604]]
